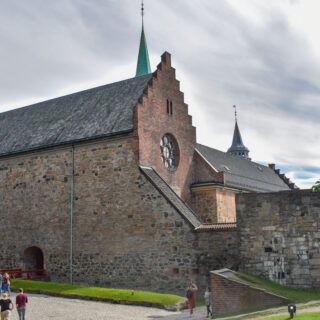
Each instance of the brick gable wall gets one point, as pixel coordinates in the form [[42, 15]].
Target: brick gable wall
[[152, 122]]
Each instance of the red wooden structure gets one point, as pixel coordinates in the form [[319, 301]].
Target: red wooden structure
[[26, 274]]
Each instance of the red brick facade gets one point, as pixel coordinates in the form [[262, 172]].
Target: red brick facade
[[152, 122], [230, 296]]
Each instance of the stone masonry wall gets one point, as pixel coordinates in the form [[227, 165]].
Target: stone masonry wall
[[125, 233], [279, 236], [204, 202], [214, 205]]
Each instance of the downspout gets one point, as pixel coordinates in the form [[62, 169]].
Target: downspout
[[71, 212]]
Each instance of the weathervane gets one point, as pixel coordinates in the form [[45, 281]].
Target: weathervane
[[235, 112]]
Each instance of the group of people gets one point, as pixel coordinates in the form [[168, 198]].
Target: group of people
[[7, 305], [191, 296]]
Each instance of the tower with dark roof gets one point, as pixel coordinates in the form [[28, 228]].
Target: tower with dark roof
[[143, 64], [237, 148]]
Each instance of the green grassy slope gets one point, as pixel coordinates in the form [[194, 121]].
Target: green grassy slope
[[293, 295], [114, 295]]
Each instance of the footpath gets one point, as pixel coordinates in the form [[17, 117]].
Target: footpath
[[41, 307]]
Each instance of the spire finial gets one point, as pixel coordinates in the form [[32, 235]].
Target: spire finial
[[143, 65], [235, 113], [142, 11]]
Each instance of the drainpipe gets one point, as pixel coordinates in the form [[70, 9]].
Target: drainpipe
[[71, 212]]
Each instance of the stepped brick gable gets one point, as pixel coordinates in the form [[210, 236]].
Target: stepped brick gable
[[152, 122]]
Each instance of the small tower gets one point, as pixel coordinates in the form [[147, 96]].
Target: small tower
[[143, 65], [237, 148]]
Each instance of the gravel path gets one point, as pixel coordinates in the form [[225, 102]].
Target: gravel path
[[41, 307]]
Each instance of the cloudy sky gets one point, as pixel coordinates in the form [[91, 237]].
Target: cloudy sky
[[263, 56]]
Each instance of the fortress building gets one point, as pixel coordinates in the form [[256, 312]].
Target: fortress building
[[109, 187]]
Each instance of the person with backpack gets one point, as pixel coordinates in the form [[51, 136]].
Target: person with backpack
[[6, 283], [191, 296]]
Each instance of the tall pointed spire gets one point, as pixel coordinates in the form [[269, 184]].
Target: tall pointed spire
[[238, 148], [143, 65]]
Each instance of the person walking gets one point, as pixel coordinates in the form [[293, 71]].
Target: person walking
[[21, 302], [207, 299], [6, 307], [6, 283], [191, 295], [1, 280]]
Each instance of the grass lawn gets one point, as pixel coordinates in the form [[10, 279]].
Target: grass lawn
[[112, 295], [302, 316], [293, 295]]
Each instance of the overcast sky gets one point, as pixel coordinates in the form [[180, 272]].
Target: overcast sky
[[263, 56]]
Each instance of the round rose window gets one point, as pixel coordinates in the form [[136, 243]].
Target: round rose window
[[168, 149]]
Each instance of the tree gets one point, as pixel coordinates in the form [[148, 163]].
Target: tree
[[316, 187]]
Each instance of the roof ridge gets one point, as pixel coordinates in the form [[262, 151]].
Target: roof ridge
[[233, 157], [77, 92]]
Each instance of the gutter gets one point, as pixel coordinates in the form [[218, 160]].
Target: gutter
[[66, 143]]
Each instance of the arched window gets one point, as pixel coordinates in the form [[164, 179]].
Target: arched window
[[32, 258]]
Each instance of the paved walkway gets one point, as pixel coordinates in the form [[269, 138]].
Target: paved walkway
[[41, 307]]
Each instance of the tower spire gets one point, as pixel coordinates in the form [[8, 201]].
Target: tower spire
[[143, 64], [238, 148]]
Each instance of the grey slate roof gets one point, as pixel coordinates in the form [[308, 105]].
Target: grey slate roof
[[241, 173], [171, 196], [87, 114]]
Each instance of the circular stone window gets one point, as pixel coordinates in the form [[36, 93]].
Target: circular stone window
[[169, 152]]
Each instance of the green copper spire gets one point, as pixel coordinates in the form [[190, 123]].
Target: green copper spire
[[143, 65]]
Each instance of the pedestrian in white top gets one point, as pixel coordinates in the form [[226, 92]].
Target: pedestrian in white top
[[207, 299]]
